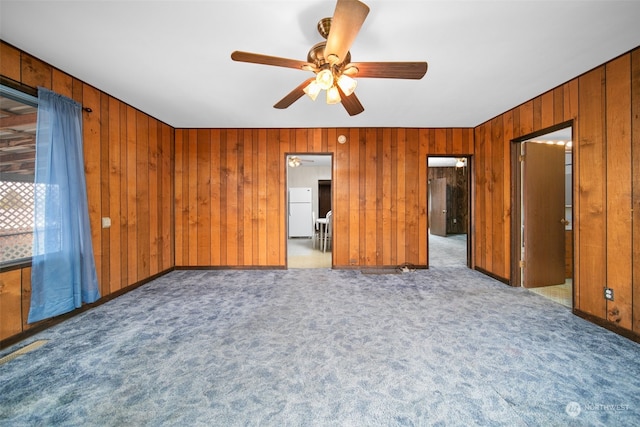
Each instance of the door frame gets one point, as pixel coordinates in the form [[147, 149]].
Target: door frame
[[285, 235], [470, 210], [516, 194]]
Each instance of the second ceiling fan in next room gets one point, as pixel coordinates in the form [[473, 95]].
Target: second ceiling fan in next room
[[330, 61], [295, 161]]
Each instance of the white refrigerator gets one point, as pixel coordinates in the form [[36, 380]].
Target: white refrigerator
[[300, 212]]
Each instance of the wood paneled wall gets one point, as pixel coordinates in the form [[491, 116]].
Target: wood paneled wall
[[231, 193], [230, 189], [129, 173], [604, 105], [492, 171]]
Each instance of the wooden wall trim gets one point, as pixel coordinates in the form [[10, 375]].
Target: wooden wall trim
[[504, 280], [611, 326]]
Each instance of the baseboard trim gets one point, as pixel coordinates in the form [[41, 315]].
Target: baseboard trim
[[47, 323], [493, 276], [231, 267], [631, 335], [380, 267]]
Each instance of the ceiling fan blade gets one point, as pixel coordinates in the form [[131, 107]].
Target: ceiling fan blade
[[257, 58], [387, 70], [348, 17], [351, 103], [294, 95]]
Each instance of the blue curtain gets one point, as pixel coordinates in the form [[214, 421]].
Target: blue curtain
[[63, 274]]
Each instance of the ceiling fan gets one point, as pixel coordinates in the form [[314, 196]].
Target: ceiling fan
[[295, 161], [330, 61]]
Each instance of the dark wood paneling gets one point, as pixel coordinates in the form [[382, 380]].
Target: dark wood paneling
[[35, 73], [10, 66], [112, 200], [500, 202], [155, 187], [618, 190], [91, 126], [482, 199], [507, 136], [603, 103], [380, 194], [380, 174], [568, 254], [105, 191], [591, 192], [10, 303], [129, 174], [635, 186]]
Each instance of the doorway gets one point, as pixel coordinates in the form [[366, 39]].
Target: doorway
[[324, 197], [542, 226], [448, 211], [309, 179]]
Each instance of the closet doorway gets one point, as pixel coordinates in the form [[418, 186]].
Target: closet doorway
[[543, 222]]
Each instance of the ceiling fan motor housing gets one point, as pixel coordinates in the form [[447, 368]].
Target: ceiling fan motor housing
[[324, 26], [316, 56]]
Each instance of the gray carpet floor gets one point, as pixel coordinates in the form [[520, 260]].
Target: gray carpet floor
[[444, 346], [449, 251]]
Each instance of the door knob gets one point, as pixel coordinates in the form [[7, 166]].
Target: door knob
[[444, 211], [564, 222]]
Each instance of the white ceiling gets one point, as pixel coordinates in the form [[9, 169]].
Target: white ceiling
[[171, 59]]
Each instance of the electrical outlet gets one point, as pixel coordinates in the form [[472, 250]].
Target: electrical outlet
[[608, 294]]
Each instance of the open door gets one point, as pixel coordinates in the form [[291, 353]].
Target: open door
[[543, 222], [438, 213]]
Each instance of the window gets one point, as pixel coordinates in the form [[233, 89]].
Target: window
[[18, 117]]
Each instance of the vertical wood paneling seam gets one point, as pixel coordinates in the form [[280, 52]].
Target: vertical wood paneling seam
[[635, 187], [603, 112]]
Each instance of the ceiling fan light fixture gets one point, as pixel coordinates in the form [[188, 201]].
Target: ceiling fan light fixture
[[347, 84], [312, 90], [351, 70], [294, 162], [333, 59], [324, 79], [333, 96]]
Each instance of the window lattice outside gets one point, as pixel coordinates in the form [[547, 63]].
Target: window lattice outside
[[16, 220]]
